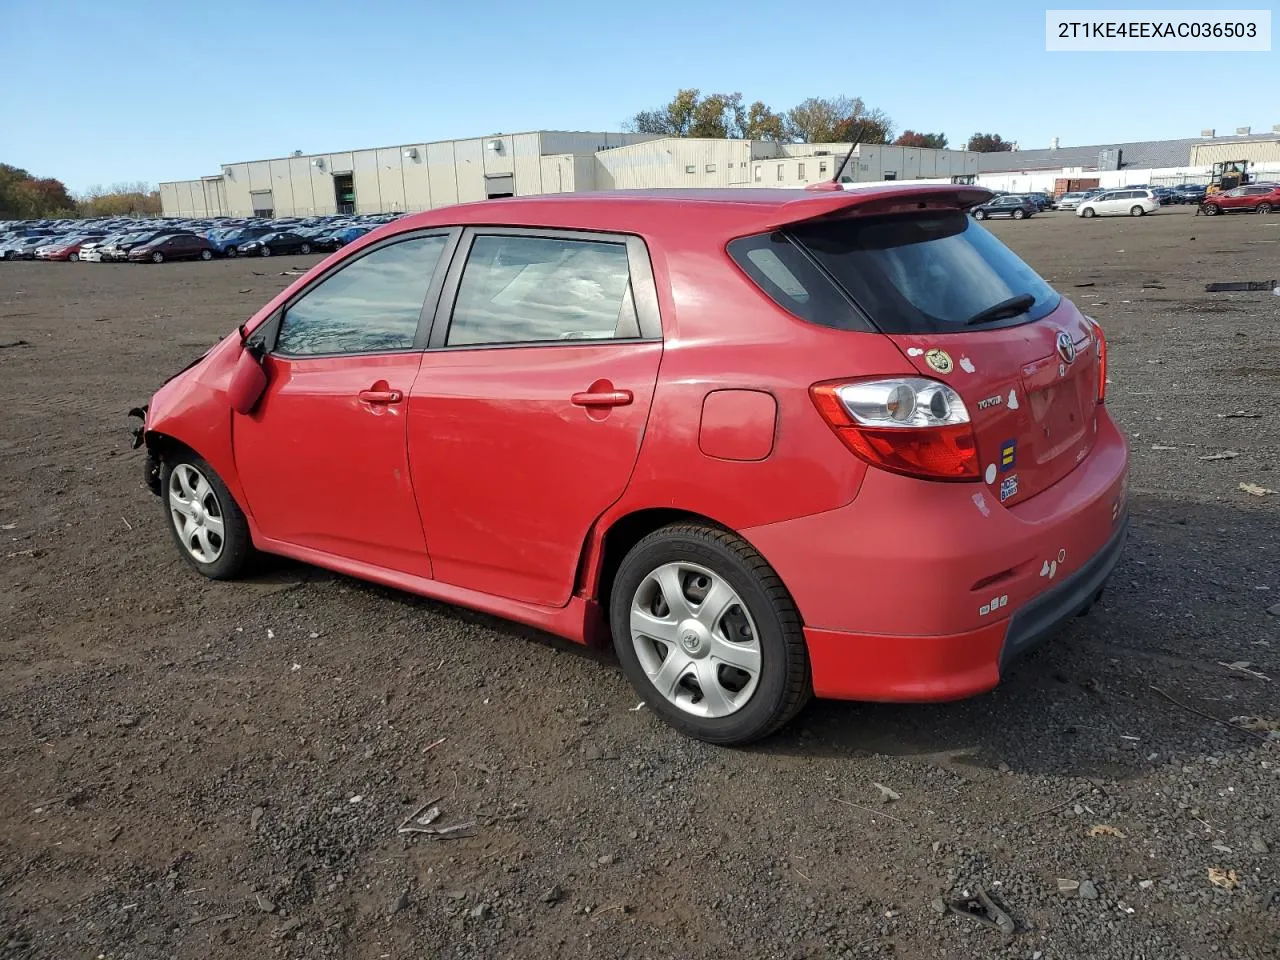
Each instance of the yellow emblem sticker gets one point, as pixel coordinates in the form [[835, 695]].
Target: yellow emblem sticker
[[939, 360]]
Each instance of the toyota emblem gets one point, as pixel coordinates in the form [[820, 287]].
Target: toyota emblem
[[1066, 347]]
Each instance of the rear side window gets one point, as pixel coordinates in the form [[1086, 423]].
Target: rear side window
[[370, 305], [521, 289], [924, 273], [783, 271]]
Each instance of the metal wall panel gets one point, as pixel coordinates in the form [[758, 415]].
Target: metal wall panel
[[442, 174], [169, 199], [364, 177], [236, 176], [391, 179], [557, 174], [584, 173], [1255, 151], [300, 184], [497, 162], [417, 185], [469, 159], [526, 164], [260, 175], [323, 200]]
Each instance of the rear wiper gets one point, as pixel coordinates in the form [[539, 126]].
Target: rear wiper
[[1002, 310]]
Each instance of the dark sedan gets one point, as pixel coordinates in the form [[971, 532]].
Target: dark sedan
[[1013, 206], [1189, 193], [276, 243], [177, 246]]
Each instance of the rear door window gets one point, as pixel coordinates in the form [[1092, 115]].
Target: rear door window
[[525, 289], [924, 273]]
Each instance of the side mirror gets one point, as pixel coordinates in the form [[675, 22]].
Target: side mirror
[[248, 380]]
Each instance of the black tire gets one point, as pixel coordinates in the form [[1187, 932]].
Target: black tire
[[206, 254], [266, 251], [979, 214], [157, 257], [305, 248], [784, 685], [74, 258], [237, 544], [1019, 214], [1137, 211], [1089, 212], [1210, 209], [1262, 208], [232, 252]]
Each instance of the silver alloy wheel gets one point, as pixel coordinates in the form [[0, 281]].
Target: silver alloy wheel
[[196, 513], [695, 639]]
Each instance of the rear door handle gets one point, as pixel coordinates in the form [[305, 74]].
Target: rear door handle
[[380, 396], [603, 398]]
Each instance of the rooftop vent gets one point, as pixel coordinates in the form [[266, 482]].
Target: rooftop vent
[[1209, 132], [1053, 144], [1243, 131]]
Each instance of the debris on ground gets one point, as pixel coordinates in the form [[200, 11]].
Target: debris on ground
[[1068, 886], [1257, 724], [14, 343], [887, 794], [1246, 667], [1106, 830], [1255, 490], [1088, 890], [553, 895], [264, 904], [980, 907], [1274, 610], [1240, 286], [1240, 415], [1226, 879], [1224, 455]]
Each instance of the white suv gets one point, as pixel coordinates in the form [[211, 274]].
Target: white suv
[[1135, 203]]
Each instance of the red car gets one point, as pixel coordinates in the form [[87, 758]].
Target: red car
[[66, 249], [1254, 198], [773, 443]]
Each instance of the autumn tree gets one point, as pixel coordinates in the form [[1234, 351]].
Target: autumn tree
[[931, 141], [988, 143], [24, 197], [763, 124], [120, 199], [723, 116], [690, 114]]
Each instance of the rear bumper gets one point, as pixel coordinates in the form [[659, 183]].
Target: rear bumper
[[848, 666]]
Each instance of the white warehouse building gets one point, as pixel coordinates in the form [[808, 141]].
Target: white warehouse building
[[421, 176]]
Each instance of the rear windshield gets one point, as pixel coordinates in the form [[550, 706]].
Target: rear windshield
[[924, 273]]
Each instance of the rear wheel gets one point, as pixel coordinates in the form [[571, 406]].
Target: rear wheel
[[1019, 214], [1136, 211], [206, 254], [207, 524], [305, 248], [1088, 212], [1263, 208], [708, 635], [157, 257], [232, 252]]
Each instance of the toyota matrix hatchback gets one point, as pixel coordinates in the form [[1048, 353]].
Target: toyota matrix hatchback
[[773, 444]]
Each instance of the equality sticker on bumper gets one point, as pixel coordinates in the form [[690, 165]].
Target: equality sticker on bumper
[[1008, 455]]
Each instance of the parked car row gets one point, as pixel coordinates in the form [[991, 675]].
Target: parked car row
[[1135, 200], [119, 240]]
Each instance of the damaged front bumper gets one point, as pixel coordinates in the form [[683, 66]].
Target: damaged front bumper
[[151, 468]]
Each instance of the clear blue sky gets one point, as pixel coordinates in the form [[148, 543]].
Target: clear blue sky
[[102, 91]]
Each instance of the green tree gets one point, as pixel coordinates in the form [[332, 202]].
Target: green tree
[[837, 120], [932, 141], [763, 124], [690, 114], [988, 143], [24, 197]]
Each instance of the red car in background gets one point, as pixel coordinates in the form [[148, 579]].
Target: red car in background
[[772, 443], [1253, 198], [65, 248]]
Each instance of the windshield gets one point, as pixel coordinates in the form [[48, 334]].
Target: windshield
[[924, 273]]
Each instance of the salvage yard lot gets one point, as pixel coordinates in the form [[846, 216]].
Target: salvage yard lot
[[201, 769]]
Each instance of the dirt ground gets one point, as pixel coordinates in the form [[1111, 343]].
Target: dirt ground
[[206, 770]]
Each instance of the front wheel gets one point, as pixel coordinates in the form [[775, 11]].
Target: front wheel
[[1263, 208], [1210, 210], [979, 214], [1088, 212], [1019, 214], [1137, 211], [74, 258], [266, 251], [157, 257], [708, 635], [305, 248], [232, 252], [207, 524], [206, 254]]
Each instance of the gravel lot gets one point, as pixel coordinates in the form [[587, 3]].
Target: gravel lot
[[190, 769]]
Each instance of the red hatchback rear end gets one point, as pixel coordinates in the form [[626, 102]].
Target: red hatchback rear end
[[775, 444]]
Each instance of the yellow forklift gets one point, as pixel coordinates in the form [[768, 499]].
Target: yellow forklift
[[1228, 175]]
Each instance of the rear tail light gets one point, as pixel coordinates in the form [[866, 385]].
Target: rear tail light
[[1101, 339], [907, 425]]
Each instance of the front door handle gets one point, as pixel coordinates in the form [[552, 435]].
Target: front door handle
[[603, 398], [380, 396]]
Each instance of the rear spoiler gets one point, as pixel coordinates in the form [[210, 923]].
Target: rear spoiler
[[833, 201]]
